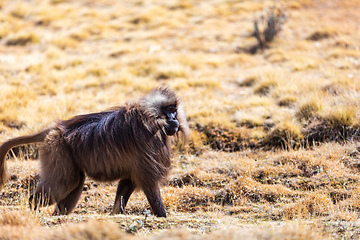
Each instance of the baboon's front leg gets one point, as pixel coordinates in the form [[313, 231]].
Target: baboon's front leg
[[156, 203], [125, 188]]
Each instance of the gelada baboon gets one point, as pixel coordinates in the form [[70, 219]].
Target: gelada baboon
[[128, 143]]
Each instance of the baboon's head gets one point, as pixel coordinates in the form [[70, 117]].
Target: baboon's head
[[163, 104]]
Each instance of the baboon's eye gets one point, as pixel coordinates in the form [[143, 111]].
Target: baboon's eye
[[170, 109]]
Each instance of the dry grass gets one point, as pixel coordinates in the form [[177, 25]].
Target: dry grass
[[274, 149]]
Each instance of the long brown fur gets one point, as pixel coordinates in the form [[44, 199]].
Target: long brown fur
[[128, 143]]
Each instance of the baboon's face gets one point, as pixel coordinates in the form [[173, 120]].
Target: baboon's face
[[172, 123]]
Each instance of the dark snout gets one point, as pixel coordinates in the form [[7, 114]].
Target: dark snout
[[172, 127]]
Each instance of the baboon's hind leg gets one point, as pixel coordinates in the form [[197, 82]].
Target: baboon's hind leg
[[125, 188], [63, 186], [66, 205], [60, 178]]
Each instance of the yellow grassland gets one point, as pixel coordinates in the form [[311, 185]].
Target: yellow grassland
[[274, 150]]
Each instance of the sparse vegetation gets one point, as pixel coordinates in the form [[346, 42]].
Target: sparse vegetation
[[274, 150]]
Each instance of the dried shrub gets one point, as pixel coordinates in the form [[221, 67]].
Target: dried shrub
[[267, 27]]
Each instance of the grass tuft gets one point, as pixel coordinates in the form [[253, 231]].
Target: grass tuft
[[309, 109], [224, 139], [210, 83], [322, 34], [90, 230], [171, 72], [264, 87], [248, 81], [65, 42], [17, 218], [342, 117], [20, 10], [340, 124], [22, 39], [287, 101], [286, 135]]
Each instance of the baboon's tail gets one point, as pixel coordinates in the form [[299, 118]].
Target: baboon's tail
[[6, 146]]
